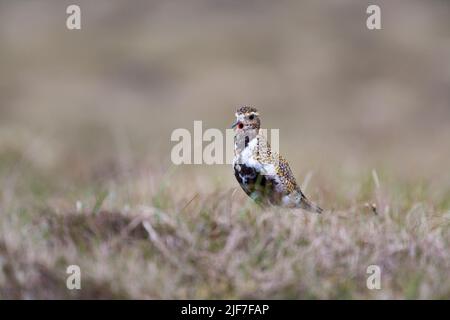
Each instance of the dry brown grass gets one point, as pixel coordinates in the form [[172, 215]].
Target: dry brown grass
[[212, 243]]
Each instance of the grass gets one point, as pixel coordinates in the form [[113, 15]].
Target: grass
[[189, 241]]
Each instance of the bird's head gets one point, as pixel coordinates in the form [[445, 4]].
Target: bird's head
[[246, 127], [247, 119]]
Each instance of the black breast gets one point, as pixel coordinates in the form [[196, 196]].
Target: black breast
[[259, 187]]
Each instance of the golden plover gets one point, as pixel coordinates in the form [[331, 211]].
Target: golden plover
[[264, 175]]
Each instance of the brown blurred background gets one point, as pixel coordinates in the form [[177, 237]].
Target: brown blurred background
[[344, 98]]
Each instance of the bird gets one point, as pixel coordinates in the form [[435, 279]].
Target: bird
[[264, 175]]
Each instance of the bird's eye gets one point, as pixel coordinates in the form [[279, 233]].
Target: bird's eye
[[240, 125], [251, 117]]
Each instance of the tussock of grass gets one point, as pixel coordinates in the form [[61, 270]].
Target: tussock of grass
[[215, 244]]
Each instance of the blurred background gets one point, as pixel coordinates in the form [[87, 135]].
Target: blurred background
[[103, 101]]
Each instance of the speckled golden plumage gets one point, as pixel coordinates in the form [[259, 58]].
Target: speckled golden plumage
[[264, 175]]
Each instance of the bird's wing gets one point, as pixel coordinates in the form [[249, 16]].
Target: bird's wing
[[283, 175], [286, 175], [280, 165]]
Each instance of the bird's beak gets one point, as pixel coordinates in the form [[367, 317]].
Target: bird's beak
[[235, 124]]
